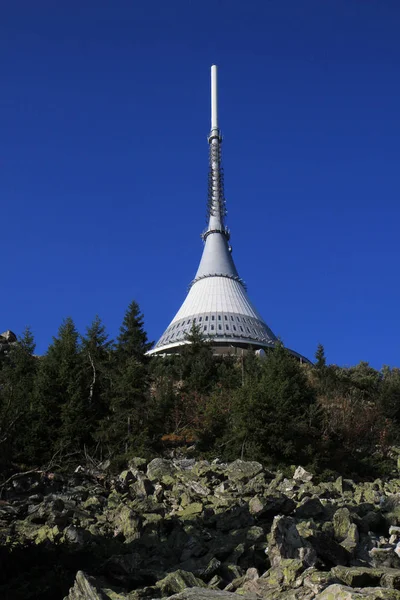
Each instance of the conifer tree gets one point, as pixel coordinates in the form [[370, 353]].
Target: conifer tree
[[320, 360], [60, 406], [273, 418], [16, 387], [98, 363], [197, 365], [132, 340], [125, 428]]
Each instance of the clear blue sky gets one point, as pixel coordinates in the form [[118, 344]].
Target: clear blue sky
[[103, 163]]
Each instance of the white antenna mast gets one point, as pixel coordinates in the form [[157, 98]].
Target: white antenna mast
[[214, 98]]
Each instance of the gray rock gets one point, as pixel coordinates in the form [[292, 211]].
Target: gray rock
[[159, 468], [207, 594], [86, 588], [301, 474], [284, 541]]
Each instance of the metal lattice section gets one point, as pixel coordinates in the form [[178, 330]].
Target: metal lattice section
[[216, 205]]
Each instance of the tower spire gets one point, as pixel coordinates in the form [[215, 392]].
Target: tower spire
[[216, 201], [217, 301]]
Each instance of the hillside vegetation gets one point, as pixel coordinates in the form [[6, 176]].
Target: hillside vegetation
[[93, 398]]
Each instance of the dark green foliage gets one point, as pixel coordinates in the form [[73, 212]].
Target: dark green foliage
[[91, 397], [132, 340], [98, 367], [320, 360], [17, 378], [60, 408], [274, 415], [125, 427]]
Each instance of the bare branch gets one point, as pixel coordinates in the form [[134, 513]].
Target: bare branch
[[91, 389]]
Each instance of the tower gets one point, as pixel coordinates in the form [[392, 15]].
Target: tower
[[217, 300]]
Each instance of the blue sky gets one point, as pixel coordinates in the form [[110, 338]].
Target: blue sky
[[104, 113]]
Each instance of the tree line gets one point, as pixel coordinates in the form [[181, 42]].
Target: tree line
[[90, 396]]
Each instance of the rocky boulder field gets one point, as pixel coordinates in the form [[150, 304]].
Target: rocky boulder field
[[187, 529]]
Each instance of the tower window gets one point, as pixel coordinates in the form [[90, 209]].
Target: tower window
[[207, 318], [238, 319], [231, 318], [227, 327], [213, 318], [226, 318], [219, 317], [205, 328], [241, 328], [234, 327], [212, 327], [200, 318], [219, 326]]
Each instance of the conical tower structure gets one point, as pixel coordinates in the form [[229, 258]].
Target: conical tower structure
[[217, 301]]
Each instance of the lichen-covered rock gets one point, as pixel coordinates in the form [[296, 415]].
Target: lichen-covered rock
[[342, 523], [241, 470], [86, 588], [301, 474], [191, 510], [358, 576], [385, 557], [177, 581], [342, 592], [159, 468], [310, 507], [128, 523], [284, 541], [208, 594]]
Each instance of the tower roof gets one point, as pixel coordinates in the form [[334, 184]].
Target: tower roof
[[217, 301]]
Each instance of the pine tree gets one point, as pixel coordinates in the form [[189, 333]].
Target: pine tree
[[60, 405], [320, 360], [196, 363], [274, 418], [16, 388], [98, 363], [125, 428], [132, 340]]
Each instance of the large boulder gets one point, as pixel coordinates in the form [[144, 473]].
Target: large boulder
[[178, 581], [342, 592], [241, 470], [284, 541], [160, 468], [86, 588]]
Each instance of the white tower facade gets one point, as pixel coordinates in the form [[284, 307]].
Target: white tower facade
[[217, 301]]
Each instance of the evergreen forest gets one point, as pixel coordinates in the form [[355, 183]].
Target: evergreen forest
[[90, 398]]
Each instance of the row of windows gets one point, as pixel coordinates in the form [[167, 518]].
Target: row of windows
[[219, 317], [177, 335]]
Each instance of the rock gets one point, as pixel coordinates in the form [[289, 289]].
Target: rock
[[284, 541], [358, 576], [128, 523], [317, 581], [341, 592], [177, 581], [342, 523], [159, 468], [207, 594], [301, 474], [271, 505], [391, 579], [191, 510], [241, 470], [310, 507], [86, 588], [385, 557]]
